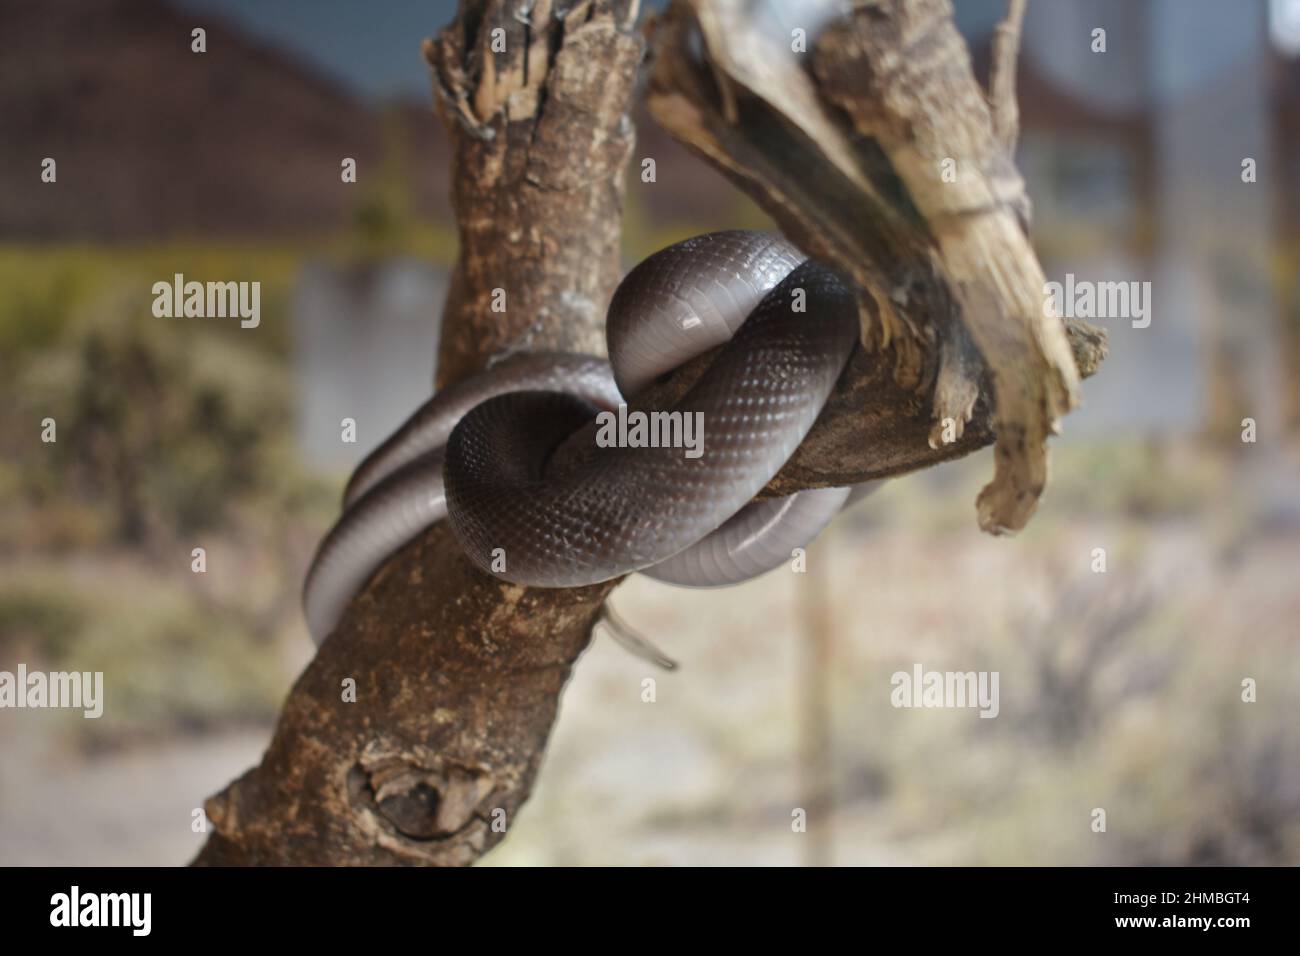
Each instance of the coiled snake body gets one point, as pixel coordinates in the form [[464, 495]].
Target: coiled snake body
[[479, 451]]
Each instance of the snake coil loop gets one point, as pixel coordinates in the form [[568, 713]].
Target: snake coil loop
[[484, 451]]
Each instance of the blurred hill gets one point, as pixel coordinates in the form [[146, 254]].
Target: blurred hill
[[153, 140]]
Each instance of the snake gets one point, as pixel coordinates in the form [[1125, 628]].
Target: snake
[[512, 456]]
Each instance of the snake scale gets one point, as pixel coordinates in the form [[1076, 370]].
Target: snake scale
[[483, 452]]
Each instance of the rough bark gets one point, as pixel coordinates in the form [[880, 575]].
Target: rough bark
[[876, 151], [458, 676], [541, 139]]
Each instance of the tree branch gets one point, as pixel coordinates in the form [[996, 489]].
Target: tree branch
[[457, 674], [541, 141], [1002, 77], [875, 152]]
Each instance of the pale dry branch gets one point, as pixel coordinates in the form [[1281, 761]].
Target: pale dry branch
[[876, 152]]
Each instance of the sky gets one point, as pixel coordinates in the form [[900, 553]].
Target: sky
[[373, 46]]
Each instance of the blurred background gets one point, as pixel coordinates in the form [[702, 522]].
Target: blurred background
[[1119, 690]]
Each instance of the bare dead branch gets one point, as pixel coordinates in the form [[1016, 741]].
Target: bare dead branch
[[876, 152], [1002, 77]]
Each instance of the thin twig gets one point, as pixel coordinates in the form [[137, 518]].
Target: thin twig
[[1002, 77]]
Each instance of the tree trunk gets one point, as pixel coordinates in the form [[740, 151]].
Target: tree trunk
[[458, 675]]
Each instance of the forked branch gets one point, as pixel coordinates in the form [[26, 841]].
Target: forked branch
[[458, 675]]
